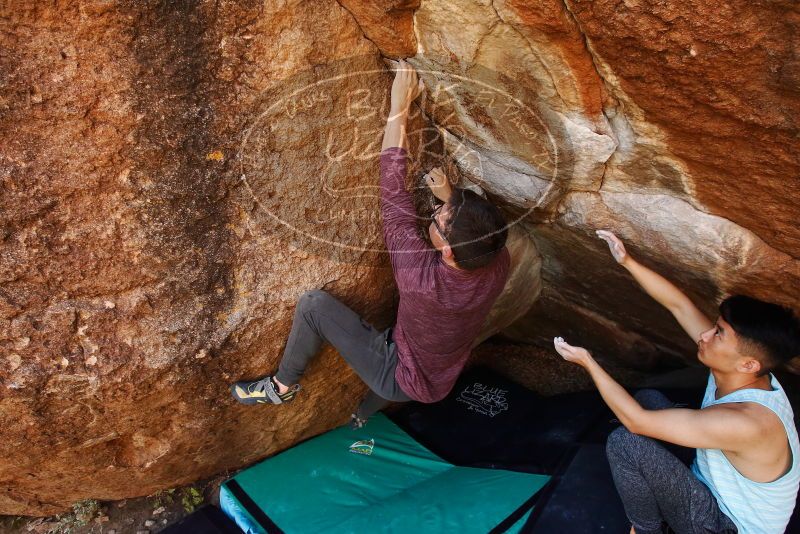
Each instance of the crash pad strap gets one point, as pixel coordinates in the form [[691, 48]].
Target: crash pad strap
[[518, 514], [544, 495], [252, 508]]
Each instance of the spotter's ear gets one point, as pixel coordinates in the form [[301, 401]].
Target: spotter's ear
[[750, 366]]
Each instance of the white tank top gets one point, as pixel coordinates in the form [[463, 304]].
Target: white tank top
[[755, 507]]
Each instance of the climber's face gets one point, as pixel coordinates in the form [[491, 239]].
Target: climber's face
[[437, 227]]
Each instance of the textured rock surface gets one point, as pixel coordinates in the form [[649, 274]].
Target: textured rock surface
[[589, 296], [164, 203], [174, 175], [388, 24], [523, 287], [674, 125], [543, 370], [720, 86]]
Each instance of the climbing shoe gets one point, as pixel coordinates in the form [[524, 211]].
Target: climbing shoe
[[356, 422], [262, 391]]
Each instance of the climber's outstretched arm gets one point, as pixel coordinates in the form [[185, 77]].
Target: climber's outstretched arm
[[407, 250], [691, 319], [405, 88]]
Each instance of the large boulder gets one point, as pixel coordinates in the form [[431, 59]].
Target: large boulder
[[674, 125], [173, 177]]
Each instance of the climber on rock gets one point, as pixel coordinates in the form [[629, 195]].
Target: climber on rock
[[745, 474], [446, 288]]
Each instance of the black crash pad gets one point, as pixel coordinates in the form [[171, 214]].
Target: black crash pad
[[206, 520], [490, 421]]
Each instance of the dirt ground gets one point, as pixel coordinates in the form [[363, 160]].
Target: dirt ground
[[143, 515]]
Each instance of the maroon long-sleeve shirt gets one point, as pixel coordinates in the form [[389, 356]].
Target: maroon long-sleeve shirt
[[442, 309]]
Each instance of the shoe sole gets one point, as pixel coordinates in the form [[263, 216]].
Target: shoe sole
[[244, 400]]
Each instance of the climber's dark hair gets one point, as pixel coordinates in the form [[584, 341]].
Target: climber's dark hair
[[475, 230], [769, 332]]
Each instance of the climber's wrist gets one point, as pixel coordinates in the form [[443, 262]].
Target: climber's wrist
[[398, 112]]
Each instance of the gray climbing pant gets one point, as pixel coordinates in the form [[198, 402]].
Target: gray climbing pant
[[656, 487], [319, 317]]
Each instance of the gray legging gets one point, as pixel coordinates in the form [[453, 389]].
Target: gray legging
[[319, 317], [656, 487]]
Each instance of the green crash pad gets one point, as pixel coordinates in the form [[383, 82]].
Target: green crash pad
[[376, 479]]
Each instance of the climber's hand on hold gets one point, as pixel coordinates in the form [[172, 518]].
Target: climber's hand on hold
[[615, 245], [572, 354], [440, 186], [405, 88]]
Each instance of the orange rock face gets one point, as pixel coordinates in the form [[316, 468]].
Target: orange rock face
[[389, 25], [721, 83], [172, 178], [671, 124]]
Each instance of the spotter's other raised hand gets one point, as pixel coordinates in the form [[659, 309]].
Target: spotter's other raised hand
[[614, 245]]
